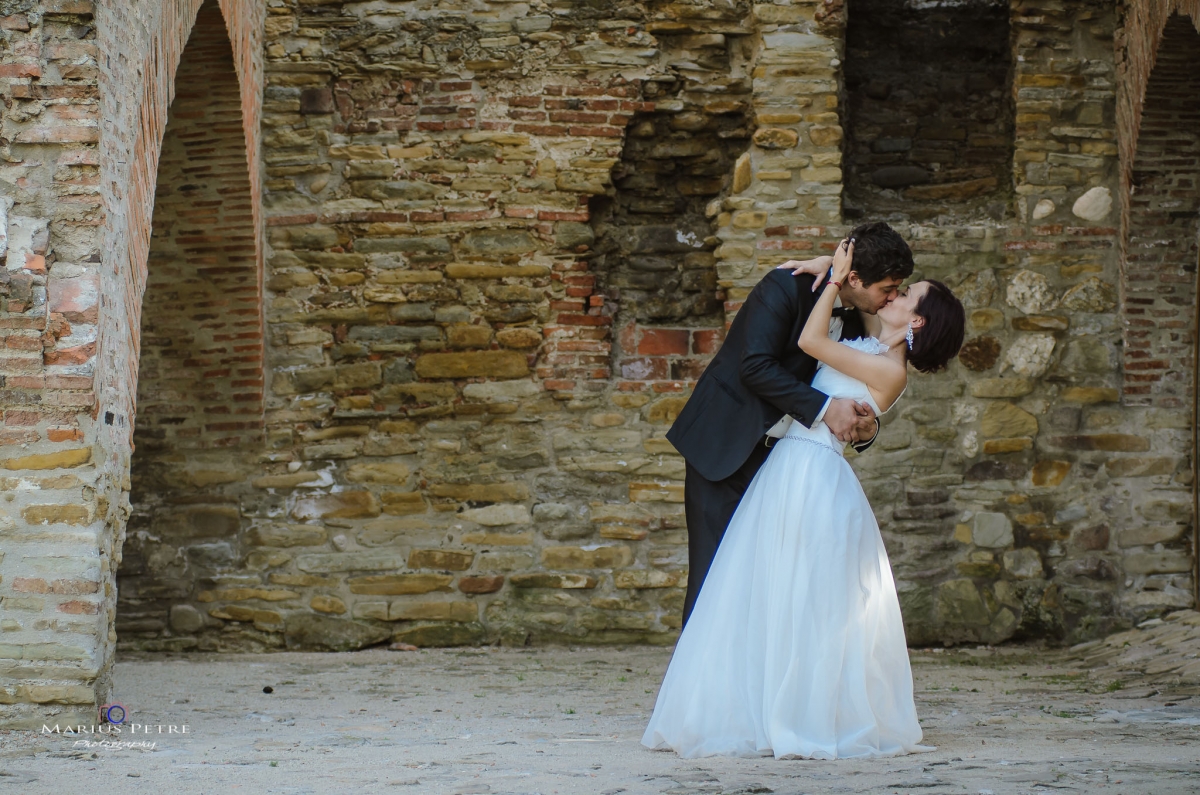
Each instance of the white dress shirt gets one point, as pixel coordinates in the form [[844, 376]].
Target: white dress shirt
[[835, 333]]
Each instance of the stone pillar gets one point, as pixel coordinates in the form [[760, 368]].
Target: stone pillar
[[52, 588], [787, 188], [89, 86]]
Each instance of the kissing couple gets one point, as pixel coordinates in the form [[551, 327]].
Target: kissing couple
[[793, 643]]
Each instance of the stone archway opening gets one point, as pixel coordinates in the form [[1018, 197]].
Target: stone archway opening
[[1162, 247], [931, 123], [200, 375], [655, 230]]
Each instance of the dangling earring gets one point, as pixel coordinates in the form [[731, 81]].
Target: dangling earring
[[908, 336]]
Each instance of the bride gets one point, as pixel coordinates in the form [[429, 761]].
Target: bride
[[796, 646]]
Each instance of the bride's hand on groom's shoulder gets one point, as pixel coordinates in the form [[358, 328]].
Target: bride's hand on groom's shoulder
[[813, 267]]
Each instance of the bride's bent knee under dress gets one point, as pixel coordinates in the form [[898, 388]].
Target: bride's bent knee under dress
[[796, 644]]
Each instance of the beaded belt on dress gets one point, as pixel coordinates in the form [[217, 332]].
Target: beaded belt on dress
[[811, 440]]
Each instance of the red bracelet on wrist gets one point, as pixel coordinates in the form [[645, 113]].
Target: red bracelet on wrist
[[831, 281]]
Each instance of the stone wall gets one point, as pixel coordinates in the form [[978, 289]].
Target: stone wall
[[449, 456], [501, 242]]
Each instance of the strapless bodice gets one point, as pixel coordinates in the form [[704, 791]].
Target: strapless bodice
[[837, 384]]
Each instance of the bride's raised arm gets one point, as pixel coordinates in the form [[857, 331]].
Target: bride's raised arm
[[884, 376]]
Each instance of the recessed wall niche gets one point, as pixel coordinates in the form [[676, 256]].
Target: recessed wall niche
[[930, 129]]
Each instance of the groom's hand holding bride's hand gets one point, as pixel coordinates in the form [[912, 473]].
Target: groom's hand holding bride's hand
[[849, 420]]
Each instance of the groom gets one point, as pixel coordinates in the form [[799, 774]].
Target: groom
[[760, 374]]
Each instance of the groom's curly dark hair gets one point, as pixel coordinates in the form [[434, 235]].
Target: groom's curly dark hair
[[880, 253]]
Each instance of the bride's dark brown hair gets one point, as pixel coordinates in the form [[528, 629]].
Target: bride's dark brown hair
[[938, 341]]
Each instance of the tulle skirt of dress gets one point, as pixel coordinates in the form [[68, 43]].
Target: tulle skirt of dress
[[796, 645]]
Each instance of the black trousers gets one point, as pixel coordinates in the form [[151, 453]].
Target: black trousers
[[708, 506]]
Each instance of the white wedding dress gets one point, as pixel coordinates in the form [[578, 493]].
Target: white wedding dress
[[796, 645]]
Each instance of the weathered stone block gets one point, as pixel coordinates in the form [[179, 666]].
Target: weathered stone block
[[57, 514], [323, 633], [992, 530], [440, 635], [242, 594], [1090, 295], [1090, 395], [498, 515], [350, 561], [1031, 293], [1094, 205], [980, 353], [401, 610], [1024, 563], [1007, 420], [398, 584], [498, 242], [377, 611], [1029, 355], [1140, 467], [465, 335], [959, 602], [1165, 562], [741, 173], [403, 503], [519, 338], [569, 581], [1148, 535], [58, 460], [646, 578], [185, 619], [822, 135], [481, 584], [481, 492], [899, 176], [446, 559], [324, 603], [581, 558], [203, 521], [775, 138], [482, 364], [656, 492], [342, 504], [1001, 387], [1012, 445], [384, 472], [1050, 473], [278, 535], [504, 560], [1041, 323], [1112, 442]]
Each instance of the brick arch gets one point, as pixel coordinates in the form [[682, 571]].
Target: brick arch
[[131, 151], [1137, 48], [143, 48], [200, 371], [1160, 241]]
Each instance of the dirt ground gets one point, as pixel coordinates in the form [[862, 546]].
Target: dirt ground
[[1015, 719]]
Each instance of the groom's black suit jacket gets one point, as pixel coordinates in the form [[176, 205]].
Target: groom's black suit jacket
[[759, 375]]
